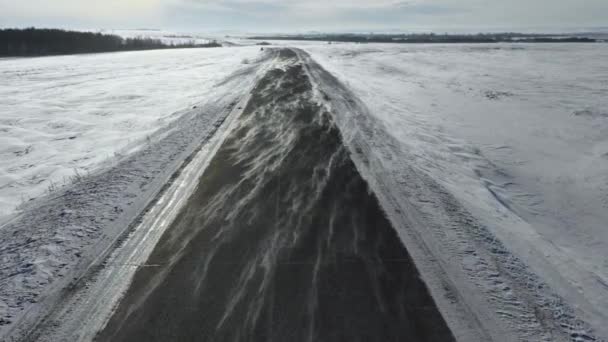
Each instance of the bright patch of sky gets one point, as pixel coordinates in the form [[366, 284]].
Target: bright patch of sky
[[298, 16]]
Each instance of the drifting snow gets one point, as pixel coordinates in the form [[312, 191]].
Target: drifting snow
[[63, 117], [516, 133]]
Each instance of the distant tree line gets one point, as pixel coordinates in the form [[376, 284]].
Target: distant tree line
[[41, 42], [430, 38]]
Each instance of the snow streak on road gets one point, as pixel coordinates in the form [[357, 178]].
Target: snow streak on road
[[282, 240]]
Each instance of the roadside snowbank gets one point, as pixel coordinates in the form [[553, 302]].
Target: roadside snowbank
[[515, 132], [167, 37]]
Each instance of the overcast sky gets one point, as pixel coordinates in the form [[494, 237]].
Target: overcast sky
[[305, 15]]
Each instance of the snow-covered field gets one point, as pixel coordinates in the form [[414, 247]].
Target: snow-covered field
[[62, 116], [517, 133]]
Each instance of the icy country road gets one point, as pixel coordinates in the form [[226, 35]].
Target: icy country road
[[317, 185], [302, 253], [295, 233], [61, 237]]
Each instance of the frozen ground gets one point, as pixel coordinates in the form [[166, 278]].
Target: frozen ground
[[517, 133], [66, 115]]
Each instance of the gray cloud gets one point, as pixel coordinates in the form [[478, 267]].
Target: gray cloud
[[292, 15]]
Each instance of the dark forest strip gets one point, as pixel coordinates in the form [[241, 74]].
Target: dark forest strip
[[43, 42]]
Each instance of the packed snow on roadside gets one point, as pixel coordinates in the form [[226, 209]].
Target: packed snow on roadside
[[63, 117], [518, 133]]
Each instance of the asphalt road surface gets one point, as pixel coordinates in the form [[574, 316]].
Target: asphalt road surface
[[282, 241]]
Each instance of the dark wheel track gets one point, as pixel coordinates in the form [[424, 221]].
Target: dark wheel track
[[282, 241]]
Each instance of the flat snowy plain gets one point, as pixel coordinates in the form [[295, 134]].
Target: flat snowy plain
[[69, 115], [96, 138]]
